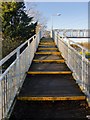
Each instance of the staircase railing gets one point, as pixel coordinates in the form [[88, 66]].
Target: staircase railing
[[13, 77], [76, 60]]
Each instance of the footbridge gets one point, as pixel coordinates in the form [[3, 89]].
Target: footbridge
[[46, 77]]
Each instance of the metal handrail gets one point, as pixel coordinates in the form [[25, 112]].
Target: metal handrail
[[77, 62], [13, 77]]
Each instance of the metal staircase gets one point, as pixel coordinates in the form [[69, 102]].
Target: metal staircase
[[49, 89]]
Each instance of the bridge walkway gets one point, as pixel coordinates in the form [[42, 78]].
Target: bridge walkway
[[49, 90]]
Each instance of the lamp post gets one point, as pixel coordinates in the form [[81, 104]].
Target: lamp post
[[58, 14]]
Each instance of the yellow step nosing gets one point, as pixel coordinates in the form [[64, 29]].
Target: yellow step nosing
[[49, 72], [55, 53], [47, 48], [47, 45], [58, 61], [52, 98], [47, 42]]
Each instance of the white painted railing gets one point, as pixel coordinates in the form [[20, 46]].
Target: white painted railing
[[77, 62], [13, 77], [74, 32]]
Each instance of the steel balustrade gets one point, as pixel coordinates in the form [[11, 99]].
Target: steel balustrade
[[77, 62], [13, 77]]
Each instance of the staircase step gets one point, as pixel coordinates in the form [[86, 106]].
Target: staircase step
[[49, 61], [48, 72], [49, 110], [63, 98], [47, 48], [47, 43], [48, 53]]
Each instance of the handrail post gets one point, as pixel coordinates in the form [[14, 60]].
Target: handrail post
[[83, 57], [28, 52], [34, 44], [0, 75], [68, 51], [18, 69], [51, 34], [40, 35], [78, 33], [1, 111], [83, 32], [57, 38]]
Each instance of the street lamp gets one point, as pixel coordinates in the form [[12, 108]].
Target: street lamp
[[58, 14]]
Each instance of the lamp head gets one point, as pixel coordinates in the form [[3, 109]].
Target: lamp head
[[58, 14]]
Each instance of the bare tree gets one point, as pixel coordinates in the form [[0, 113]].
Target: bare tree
[[37, 15]]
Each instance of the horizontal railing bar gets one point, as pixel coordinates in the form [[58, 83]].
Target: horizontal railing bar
[[76, 44], [79, 45], [13, 52], [7, 57], [6, 71], [71, 47], [73, 29]]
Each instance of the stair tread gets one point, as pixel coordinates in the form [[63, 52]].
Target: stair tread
[[50, 85], [48, 66], [62, 110]]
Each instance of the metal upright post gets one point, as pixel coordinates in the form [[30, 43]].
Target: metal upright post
[[1, 101], [0, 75], [78, 33], [83, 57], [18, 69], [28, 53], [68, 53]]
